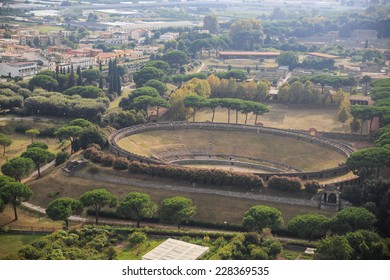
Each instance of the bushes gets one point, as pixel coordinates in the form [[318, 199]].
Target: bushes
[[120, 163], [202, 176], [290, 184], [312, 186], [22, 127], [108, 160], [38, 145], [137, 237], [61, 157]]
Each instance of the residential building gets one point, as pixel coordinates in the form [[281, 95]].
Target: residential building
[[21, 69]]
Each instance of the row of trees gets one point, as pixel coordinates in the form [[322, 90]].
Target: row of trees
[[197, 102], [203, 176]]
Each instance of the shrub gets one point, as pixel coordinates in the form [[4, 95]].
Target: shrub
[[137, 237], [92, 148], [22, 127], [97, 156], [38, 145], [48, 132], [108, 160], [290, 184], [121, 163], [61, 157], [312, 186], [93, 169]]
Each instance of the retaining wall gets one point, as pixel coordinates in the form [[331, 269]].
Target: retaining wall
[[338, 146]]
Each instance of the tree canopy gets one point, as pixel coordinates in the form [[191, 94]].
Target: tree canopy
[[15, 193], [137, 206], [17, 167], [98, 198], [63, 208], [259, 217], [176, 210]]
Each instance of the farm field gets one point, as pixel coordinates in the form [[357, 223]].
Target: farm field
[[293, 152]]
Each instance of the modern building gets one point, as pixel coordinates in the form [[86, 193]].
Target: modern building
[[21, 69], [172, 249]]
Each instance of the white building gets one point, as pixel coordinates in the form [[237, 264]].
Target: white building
[[169, 36], [21, 69]]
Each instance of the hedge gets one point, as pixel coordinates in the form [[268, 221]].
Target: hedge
[[289, 184]]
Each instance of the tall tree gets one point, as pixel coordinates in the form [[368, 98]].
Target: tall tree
[[366, 80], [71, 78], [309, 226], [63, 208], [210, 23], [259, 217], [80, 76], [245, 33], [32, 133], [17, 168], [352, 219], [333, 248], [39, 156], [137, 206], [71, 133], [98, 198], [5, 141], [15, 193], [176, 210]]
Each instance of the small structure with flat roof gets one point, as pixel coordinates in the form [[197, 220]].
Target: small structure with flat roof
[[172, 249]]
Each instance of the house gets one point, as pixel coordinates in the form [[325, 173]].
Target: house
[[169, 36], [139, 34], [21, 69]]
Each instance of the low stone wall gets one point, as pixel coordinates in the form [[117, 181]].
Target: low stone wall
[[340, 147]]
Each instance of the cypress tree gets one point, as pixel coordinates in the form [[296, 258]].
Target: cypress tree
[[80, 78], [101, 82], [71, 80]]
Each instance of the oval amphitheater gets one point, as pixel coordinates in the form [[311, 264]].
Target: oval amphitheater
[[261, 150]]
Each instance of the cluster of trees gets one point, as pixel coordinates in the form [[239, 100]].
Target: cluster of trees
[[142, 98], [88, 243], [36, 156], [81, 133], [114, 81], [126, 118], [357, 245], [374, 195], [367, 162], [313, 226], [248, 246]]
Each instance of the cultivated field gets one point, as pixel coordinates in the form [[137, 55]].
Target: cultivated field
[[295, 153]]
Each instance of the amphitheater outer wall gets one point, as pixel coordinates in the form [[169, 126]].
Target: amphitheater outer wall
[[337, 146]]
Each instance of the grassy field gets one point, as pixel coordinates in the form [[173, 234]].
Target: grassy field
[[11, 243], [29, 221], [209, 207], [115, 103], [296, 153], [282, 116], [21, 141], [239, 63], [44, 29], [127, 252]]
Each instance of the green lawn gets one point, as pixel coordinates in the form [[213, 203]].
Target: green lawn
[[44, 29], [115, 103], [11, 243], [135, 253]]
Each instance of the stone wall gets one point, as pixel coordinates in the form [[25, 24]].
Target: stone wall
[[338, 146]]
